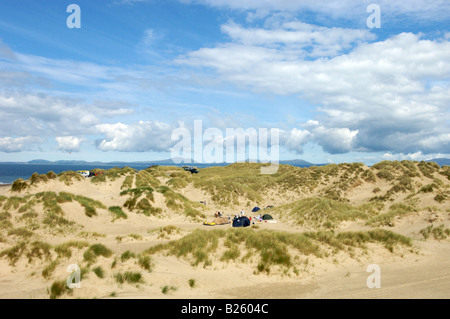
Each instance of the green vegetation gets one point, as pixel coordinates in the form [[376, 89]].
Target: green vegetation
[[53, 220], [427, 188], [94, 251], [99, 272], [445, 171], [428, 168], [49, 269], [67, 177], [58, 289], [127, 255], [369, 176], [165, 232], [384, 174], [51, 175], [319, 212], [440, 198], [14, 253], [145, 262], [146, 178], [272, 248], [129, 277], [386, 219], [134, 236], [117, 212], [36, 249], [39, 250], [143, 205], [191, 283], [36, 178], [19, 185], [5, 216], [14, 202], [65, 249], [128, 182], [138, 191], [166, 289], [50, 202], [20, 232], [110, 174], [64, 197], [179, 203], [89, 205], [85, 234], [439, 233]]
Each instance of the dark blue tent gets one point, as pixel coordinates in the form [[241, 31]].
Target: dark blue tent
[[241, 222], [255, 209]]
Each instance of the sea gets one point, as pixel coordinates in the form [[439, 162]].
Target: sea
[[9, 172]]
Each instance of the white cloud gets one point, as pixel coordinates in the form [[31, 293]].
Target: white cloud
[[295, 139], [437, 10], [148, 45], [390, 95], [18, 144], [138, 137], [69, 143], [298, 37], [418, 156], [32, 114]]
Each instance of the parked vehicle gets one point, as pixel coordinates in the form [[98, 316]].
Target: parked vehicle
[[191, 169], [84, 173]]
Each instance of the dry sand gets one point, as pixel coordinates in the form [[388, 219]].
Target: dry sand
[[424, 273]]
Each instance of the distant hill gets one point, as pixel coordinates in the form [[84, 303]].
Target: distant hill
[[39, 161], [300, 163], [295, 162], [440, 161]]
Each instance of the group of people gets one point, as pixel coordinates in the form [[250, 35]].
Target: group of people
[[242, 213]]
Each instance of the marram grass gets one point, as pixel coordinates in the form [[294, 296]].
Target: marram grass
[[270, 247]]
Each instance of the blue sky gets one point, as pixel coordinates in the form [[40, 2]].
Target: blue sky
[[116, 88]]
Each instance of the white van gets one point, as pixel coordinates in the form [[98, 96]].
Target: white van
[[83, 173]]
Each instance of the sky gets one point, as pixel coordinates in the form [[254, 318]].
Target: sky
[[112, 80]]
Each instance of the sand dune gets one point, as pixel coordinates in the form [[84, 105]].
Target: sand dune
[[395, 215]]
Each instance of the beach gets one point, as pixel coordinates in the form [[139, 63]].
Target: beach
[[154, 243]]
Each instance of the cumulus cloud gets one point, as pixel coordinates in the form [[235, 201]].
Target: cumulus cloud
[[69, 143], [32, 114], [138, 137], [295, 139], [389, 95], [18, 144]]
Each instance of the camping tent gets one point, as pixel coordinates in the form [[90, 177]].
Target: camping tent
[[241, 222], [255, 209], [267, 217], [221, 221]]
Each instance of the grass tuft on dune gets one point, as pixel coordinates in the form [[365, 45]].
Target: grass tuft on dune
[[272, 248]]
